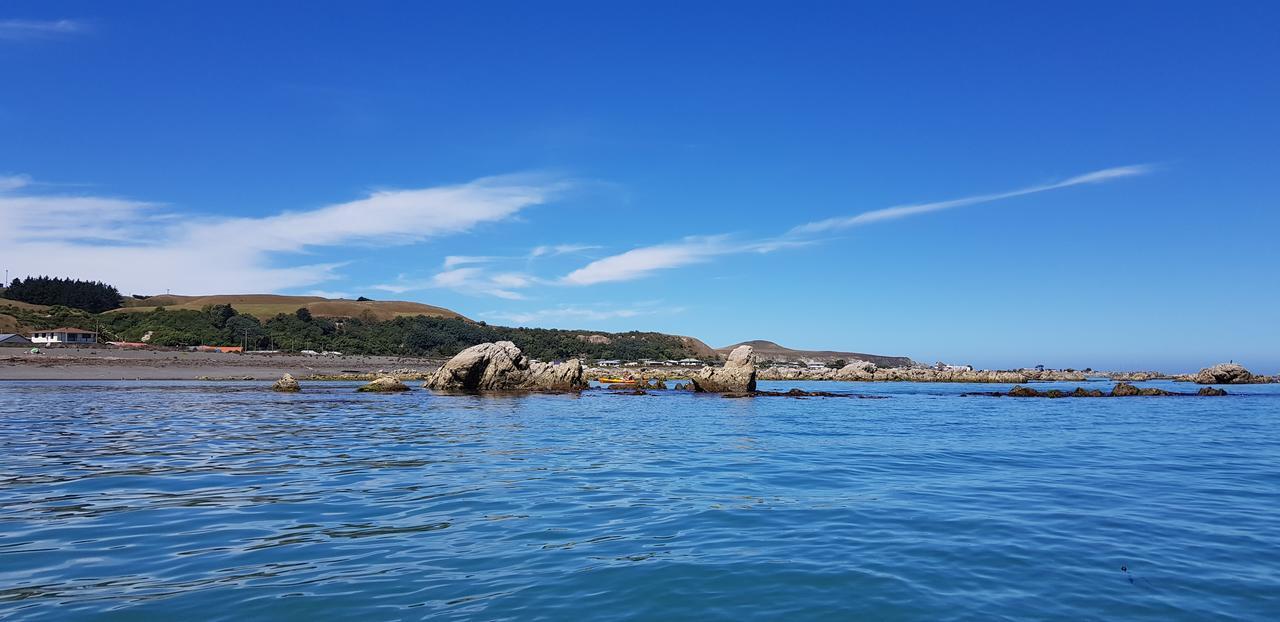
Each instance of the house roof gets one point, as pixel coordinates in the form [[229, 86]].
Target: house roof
[[68, 330], [8, 336]]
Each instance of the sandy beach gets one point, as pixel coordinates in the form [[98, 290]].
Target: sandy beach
[[122, 364]]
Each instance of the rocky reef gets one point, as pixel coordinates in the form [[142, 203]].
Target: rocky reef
[[737, 376], [286, 384], [868, 372], [1121, 389], [501, 366], [385, 384]]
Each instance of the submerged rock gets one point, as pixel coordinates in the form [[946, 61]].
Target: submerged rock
[[385, 384], [737, 376], [286, 384], [1124, 389], [1224, 373], [803, 393], [501, 366]]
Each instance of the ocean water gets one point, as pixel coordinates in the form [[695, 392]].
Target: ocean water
[[183, 501]]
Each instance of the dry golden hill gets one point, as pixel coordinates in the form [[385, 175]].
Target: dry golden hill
[[264, 306], [5, 302]]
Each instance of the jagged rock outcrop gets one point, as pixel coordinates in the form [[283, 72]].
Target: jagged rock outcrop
[[857, 370], [1224, 373], [1211, 391], [286, 384], [385, 384], [737, 376], [502, 367]]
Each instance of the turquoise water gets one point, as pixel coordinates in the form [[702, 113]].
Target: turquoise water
[[168, 501]]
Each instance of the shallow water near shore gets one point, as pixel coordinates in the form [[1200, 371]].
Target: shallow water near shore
[[183, 500]]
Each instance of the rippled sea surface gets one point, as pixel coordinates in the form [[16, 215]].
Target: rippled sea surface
[[169, 501]]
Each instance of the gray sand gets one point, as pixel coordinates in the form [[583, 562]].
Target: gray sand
[[67, 363]]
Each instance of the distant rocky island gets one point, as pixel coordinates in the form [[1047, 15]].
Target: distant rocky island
[[770, 353]]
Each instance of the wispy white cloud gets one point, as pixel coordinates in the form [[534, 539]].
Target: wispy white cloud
[[328, 294], [23, 29], [579, 313], [13, 182], [143, 247], [645, 261], [560, 249], [453, 261], [484, 275], [902, 211], [470, 280]]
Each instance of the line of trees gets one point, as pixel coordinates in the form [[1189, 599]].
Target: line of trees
[[405, 336], [91, 296]]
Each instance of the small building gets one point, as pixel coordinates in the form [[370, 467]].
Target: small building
[[817, 365], [218, 349], [609, 363], [690, 362], [70, 336], [14, 339]]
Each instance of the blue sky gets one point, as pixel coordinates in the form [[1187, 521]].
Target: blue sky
[[1086, 184]]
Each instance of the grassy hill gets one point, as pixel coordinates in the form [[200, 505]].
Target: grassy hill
[[18, 304], [10, 324], [268, 305], [770, 351]]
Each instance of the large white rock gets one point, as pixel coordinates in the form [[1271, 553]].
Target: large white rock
[[1224, 373], [737, 376], [502, 367]]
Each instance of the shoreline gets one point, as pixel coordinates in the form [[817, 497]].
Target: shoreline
[[99, 363], [120, 364]]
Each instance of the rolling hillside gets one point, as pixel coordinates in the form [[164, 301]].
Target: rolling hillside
[[268, 305], [770, 351]]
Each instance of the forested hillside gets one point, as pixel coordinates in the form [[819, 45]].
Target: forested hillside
[[90, 296], [301, 330]]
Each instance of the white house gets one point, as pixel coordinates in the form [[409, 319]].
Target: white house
[[817, 365], [690, 362], [64, 336], [609, 363]]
